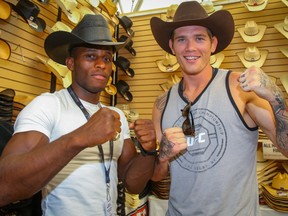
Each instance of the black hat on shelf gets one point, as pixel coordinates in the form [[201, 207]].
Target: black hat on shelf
[[123, 89], [126, 23], [128, 44], [124, 64]]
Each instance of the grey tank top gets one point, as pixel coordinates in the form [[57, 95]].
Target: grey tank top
[[216, 176]]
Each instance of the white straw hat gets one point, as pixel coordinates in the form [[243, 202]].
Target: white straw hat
[[216, 60], [283, 27], [253, 56], [252, 32], [256, 5]]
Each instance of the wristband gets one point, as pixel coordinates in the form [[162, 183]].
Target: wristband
[[142, 150]]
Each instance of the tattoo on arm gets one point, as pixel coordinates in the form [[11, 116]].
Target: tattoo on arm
[[160, 102], [165, 147]]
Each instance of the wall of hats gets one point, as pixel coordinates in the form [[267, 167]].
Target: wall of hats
[[142, 70]]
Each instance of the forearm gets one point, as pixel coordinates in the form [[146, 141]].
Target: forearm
[[280, 110], [23, 174], [139, 173], [160, 171]]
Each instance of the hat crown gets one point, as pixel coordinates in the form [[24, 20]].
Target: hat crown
[[169, 60], [280, 181], [188, 11], [92, 28], [171, 11], [208, 6], [252, 54], [255, 2], [251, 28], [29, 9]]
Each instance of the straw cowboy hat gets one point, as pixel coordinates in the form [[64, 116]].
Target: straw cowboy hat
[[284, 81], [58, 26], [220, 23], [209, 6], [5, 10], [93, 3], [173, 79], [253, 56], [168, 64], [5, 49], [171, 12], [256, 5], [29, 12], [109, 6], [252, 32], [285, 2], [69, 7], [216, 60], [91, 30], [283, 27]]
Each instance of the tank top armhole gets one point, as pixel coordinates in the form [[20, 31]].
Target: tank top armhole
[[234, 104], [166, 102]]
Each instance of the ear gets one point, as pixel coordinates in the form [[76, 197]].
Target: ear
[[70, 63], [171, 46], [214, 44]]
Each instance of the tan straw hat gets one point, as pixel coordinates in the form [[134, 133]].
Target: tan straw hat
[[171, 12], [58, 26], [256, 5], [91, 30], [220, 23], [209, 6], [216, 60], [253, 56], [5, 10], [283, 27], [69, 9], [252, 32], [285, 2], [5, 49], [284, 50], [168, 64]]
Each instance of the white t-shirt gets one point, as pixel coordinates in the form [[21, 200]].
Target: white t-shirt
[[80, 187]]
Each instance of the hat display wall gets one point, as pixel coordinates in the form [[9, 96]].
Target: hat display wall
[[124, 64], [5, 49], [253, 56], [283, 27], [256, 5], [221, 23], [29, 12], [128, 44], [57, 44], [209, 6], [216, 60], [168, 64], [123, 89], [5, 10], [252, 32], [70, 10]]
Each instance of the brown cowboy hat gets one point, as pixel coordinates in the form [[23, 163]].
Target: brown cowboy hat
[[91, 30], [220, 23]]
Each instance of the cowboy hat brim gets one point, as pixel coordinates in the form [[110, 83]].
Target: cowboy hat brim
[[252, 38], [256, 7], [220, 24], [5, 10], [280, 28], [5, 49], [57, 45], [217, 60]]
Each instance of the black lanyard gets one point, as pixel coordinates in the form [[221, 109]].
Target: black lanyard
[[87, 115]]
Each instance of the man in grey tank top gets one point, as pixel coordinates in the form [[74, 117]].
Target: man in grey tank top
[[208, 123]]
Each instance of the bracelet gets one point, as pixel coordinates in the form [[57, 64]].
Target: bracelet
[[142, 150]]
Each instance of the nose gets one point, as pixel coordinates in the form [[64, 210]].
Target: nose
[[99, 62]]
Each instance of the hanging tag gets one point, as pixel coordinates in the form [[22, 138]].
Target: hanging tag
[[108, 208]]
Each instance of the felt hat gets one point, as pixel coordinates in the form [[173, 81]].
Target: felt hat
[[168, 64], [283, 27], [252, 32], [284, 50], [69, 7], [91, 30], [5, 49], [126, 23], [58, 26], [5, 10], [123, 90], [216, 60], [128, 44], [220, 23], [110, 88], [253, 56], [256, 5], [29, 12], [124, 64], [209, 6]]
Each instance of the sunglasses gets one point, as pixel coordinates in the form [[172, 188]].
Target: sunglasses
[[187, 127]]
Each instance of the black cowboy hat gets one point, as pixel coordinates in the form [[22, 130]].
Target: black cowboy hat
[[29, 12], [123, 89], [124, 64], [126, 23], [128, 44], [220, 23], [91, 30]]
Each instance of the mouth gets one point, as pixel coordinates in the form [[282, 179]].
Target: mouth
[[191, 58]]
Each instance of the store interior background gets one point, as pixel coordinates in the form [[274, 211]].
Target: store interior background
[[29, 77]]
